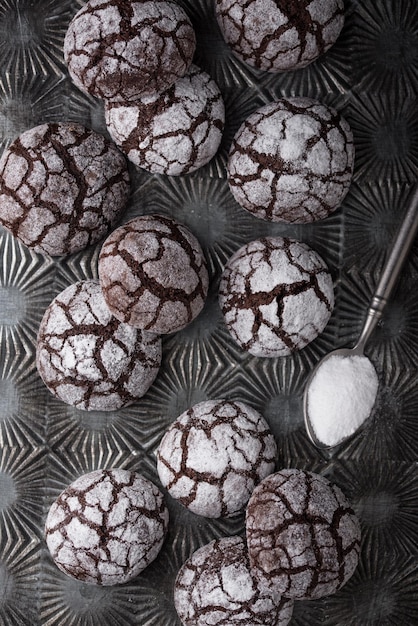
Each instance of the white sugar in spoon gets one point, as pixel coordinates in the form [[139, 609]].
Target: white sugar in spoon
[[341, 390]]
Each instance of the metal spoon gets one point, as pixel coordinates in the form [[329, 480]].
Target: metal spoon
[[398, 254]]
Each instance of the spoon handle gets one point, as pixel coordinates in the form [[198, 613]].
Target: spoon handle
[[392, 268]]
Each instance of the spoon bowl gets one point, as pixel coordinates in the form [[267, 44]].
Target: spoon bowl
[[341, 353], [391, 271]]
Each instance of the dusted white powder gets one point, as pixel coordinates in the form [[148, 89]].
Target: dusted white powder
[[341, 396]]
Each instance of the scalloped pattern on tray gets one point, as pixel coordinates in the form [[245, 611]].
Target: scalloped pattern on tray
[[371, 75]]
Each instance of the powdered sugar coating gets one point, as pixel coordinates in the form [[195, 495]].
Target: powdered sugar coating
[[153, 274], [62, 187], [123, 49], [276, 295], [280, 35], [106, 526], [174, 132], [292, 161], [215, 587], [88, 358], [213, 455], [303, 536]]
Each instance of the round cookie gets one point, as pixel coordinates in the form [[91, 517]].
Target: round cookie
[[291, 161], [303, 536], [276, 295], [278, 35], [174, 132], [106, 526], [62, 187], [153, 274], [215, 586], [88, 358], [213, 455], [124, 49]]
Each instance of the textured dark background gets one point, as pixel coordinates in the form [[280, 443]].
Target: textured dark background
[[371, 74]]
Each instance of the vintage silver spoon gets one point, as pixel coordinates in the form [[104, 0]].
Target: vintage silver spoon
[[392, 268]]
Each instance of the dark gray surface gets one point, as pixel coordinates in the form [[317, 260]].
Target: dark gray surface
[[371, 74]]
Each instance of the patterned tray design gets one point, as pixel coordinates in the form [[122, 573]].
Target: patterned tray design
[[371, 74]]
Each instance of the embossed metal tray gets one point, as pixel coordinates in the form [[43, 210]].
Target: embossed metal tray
[[371, 75]]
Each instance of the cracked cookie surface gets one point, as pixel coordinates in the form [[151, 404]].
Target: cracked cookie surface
[[122, 49], [106, 526], [291, 161], [88, 358], [295, 33], [303, 535], [276, 295], [213, 455], [153, 274], [174, 132], [62, 187], [215, 586]]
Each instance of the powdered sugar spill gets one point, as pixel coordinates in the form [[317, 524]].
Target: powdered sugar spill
[[341, 397]]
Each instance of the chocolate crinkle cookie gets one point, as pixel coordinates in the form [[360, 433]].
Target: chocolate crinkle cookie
[[214, 587], [153, 274], [62, 187], [303, 535], [123, 49], [88, 358], [213, 455], [106, 526], [276, 295], [174, 132], [280, 35], [291, 161]]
